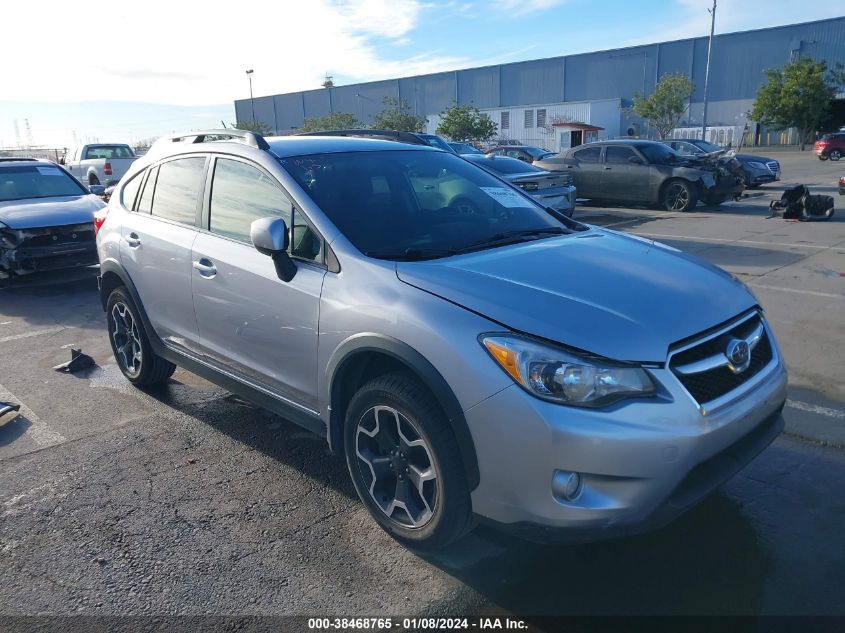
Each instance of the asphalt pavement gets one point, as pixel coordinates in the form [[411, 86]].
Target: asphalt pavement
[[188, 500]]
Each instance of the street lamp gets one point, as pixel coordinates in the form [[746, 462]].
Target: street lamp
[[707, 71], [251, 100]]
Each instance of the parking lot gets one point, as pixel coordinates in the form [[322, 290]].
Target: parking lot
[[188, 500]]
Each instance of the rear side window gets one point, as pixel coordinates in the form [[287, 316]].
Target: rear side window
[[241, 194], [588, 154], [177, 189], [130, 191], [145, 203], [618, 155]]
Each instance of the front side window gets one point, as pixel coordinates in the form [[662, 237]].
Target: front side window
[[659, 154], [241, 194], [416, 204], [618, 155], [21, 182], [177, 189]]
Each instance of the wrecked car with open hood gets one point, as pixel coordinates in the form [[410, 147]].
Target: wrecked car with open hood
[[648, 172], [46, 219]]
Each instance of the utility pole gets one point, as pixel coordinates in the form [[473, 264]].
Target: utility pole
[[251, 100], [707, 71]]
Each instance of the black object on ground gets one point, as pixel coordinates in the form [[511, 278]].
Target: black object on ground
[[798, 203], [8, 407], [77, 362]]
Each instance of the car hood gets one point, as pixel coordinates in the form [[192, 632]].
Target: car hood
[[36, 213], [745, 158], [618, 296]]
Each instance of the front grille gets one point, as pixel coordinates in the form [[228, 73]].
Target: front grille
[[57, 236], [773, 166], [715, 383]]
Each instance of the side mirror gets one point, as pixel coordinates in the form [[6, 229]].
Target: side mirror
[[635, 160], [270, 237], [62, 160], [97, 190]]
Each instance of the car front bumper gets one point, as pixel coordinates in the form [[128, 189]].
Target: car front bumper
[[641, 462], [35, 250]]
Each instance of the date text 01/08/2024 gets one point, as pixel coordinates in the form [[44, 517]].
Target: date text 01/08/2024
[[437, 624]]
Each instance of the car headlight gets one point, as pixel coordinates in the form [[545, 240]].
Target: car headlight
[[554, 374], [755, 165], [7, 238]]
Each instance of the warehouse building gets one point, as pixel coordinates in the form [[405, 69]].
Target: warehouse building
[[563, 101]]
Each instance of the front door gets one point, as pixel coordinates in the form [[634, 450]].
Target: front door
[[156, 242], [622, 179], [576, 138], [250, 321]]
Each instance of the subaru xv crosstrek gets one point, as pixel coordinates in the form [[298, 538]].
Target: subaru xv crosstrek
[[505, 364]]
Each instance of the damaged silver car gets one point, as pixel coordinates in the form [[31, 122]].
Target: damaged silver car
[[46, 219]]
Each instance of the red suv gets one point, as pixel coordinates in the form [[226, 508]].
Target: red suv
[[830, 146]]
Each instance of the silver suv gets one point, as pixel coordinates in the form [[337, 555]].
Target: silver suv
[[470, 353]]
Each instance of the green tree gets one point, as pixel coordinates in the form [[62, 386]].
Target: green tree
[[332, 121], [798, 95], [663, 107], [466, 123], [259, 127], [398, 116]]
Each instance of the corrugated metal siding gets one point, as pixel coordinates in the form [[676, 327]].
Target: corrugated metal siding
[[532, 82], [479, 87], [736, 72]]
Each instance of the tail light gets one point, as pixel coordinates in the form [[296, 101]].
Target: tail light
[[107, 169], [99, 219]]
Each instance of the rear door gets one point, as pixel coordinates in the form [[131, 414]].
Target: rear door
[[586, 170], [156, 246], [621, 179], [250, 321]]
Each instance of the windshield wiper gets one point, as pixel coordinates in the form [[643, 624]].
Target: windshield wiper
[[512, 237], [409, 254]]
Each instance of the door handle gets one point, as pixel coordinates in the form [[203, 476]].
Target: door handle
[[133, 240], [205, 267], [608, 168]]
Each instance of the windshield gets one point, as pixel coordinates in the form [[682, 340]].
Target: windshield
[[708, 147], [659, 154], [537, 152], [21, 182], [504, 164], [436, 141], [416, 204]]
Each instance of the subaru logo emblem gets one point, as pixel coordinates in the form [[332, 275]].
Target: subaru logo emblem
[[738, 354]]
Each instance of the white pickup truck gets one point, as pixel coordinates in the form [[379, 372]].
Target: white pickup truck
[[99, 164]]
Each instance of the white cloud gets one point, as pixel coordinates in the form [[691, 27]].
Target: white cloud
[[187, 52], [524, 7]]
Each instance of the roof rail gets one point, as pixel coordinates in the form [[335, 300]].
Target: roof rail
[[391, 135], [252, 139], [15, 159]]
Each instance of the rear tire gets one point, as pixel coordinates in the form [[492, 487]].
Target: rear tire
[[678, 195], [130, 345], [822, 157], [93, 180], [405, 464]]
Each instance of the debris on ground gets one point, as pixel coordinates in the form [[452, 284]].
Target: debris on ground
[[78, 361], [7, 408], [798, 204]]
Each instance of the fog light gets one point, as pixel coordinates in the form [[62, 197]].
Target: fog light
[[566, 485]]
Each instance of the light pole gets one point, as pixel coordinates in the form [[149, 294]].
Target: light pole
[[251, 100], [707, 71]]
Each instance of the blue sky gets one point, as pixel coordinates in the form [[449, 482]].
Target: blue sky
[[155, 75]]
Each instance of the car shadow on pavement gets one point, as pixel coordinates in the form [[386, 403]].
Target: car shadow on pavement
[[709, 561], [259, 429]]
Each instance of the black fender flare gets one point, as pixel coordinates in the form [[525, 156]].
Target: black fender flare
[[407, 355]]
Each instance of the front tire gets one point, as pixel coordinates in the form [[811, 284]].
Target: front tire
[[404, 462], [130, 345], [835, 154], [678, 195]]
